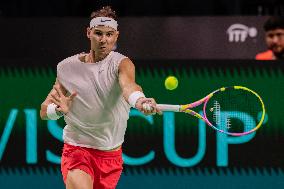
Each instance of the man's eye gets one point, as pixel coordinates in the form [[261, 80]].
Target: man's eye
[[98, 33], [271, 35], [280, 34], [109, 34]]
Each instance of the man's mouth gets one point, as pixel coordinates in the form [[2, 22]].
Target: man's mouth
[[276, 48], [103, 48]]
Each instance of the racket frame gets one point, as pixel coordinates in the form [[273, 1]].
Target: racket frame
[[187, 108]]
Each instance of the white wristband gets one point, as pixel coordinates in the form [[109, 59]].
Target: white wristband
[[51, 112], [133, 97]]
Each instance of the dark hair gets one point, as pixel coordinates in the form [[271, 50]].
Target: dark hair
[[274, 22], [104, 12]]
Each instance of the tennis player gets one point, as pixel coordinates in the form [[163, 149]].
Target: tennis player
[[94, 92]]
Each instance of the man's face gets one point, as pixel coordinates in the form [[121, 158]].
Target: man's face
[[275, 41], [102, 39]]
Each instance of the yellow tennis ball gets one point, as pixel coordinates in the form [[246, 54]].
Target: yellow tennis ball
[[171, 83]]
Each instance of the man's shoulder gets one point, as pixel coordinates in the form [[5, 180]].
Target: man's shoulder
[[69, 59], [118, 55], [266, 55], [119, 58]]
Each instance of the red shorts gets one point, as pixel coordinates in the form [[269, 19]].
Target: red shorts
[[104, 167]]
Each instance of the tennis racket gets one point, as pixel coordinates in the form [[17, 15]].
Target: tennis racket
[[234, 110]]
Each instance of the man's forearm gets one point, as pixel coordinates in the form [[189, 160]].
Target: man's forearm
[[43, 111], [130, 89]]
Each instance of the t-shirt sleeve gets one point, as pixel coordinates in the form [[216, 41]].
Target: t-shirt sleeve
[[117, 62]]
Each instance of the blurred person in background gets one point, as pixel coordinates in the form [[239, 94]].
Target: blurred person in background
[[274, 38], [94, 92]]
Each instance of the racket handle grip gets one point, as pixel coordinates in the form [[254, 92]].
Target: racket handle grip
[[168, 107]]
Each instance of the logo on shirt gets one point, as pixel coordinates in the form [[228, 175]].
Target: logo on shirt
[[239, 32]]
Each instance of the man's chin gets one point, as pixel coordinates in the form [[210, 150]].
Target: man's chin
[[279, 54], [104, 51], [278, 51]]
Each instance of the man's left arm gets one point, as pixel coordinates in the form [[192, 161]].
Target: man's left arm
[[132, 92]]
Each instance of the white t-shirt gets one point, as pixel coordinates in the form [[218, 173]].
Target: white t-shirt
[[99, 113]]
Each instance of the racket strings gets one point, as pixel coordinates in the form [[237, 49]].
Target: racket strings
[[233, 111]]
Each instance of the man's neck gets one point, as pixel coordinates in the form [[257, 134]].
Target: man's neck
[[94, 57], [279, 56]]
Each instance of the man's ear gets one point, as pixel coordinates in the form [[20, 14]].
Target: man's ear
[[117, 35], [88, 32]]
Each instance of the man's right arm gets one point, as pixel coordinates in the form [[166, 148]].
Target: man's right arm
[[49, 99]]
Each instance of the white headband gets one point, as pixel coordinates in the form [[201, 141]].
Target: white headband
[[103, 21]]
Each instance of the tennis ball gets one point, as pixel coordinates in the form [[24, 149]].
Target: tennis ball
[[171, 83]]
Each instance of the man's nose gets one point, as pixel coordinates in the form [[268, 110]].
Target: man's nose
[[103, 39], [275, 38]]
